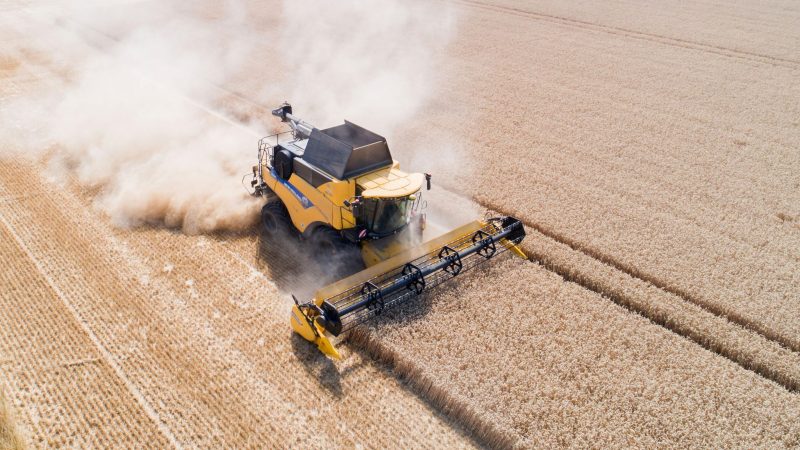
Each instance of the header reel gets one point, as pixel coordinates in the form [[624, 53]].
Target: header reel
[[341, 306]]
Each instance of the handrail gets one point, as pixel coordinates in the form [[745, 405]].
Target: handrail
[[265, 150]]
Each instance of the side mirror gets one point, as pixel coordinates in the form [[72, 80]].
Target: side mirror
[[347, 203], [428, 180]]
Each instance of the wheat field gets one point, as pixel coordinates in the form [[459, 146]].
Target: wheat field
[[545, 362], [650, 148], [637, 154]]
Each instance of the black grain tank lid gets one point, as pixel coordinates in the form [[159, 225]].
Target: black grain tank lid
[[347, 151]]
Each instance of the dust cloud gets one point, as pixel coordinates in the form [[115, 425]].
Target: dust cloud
[[136, 104], [375, 64], [124, 114]]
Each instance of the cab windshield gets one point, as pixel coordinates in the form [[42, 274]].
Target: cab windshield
[[383, 216]]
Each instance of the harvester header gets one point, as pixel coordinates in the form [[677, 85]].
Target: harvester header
[[354, 300]]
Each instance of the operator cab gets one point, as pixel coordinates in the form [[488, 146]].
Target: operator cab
[[388, 198]]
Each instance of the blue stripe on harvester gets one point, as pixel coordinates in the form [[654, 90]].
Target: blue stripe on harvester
[[303, 199]]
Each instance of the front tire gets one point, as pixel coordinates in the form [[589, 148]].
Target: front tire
[[275, 219]]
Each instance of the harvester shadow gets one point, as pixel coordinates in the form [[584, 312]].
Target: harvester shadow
[[318, 366], [292, 266], [404, 314]]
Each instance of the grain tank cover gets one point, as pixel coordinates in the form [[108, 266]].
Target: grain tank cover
[[347, 151]]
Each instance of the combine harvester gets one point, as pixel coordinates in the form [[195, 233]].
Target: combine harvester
[[340, 189]]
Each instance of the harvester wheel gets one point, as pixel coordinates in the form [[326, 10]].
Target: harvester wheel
[[327, 243], [275, 219], [333, 251]]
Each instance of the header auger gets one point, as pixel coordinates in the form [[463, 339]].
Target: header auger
[[340, 189]]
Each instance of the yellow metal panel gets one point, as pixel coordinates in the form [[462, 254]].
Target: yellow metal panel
[[301, 326], [326, 201], [337, 192]]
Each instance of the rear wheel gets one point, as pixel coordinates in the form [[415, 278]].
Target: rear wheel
[[275, 219]]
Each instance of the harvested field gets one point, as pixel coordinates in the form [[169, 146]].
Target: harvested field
[[649, 147], [190, 353], [10, 438]]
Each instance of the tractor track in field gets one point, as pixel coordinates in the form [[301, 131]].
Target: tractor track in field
[[580, 276], [636, 273], [639, 35], [107, 357]]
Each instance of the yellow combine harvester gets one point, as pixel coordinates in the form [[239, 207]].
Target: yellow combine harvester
[[340, 189]]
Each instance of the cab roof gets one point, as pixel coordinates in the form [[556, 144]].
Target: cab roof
[[390, 182]]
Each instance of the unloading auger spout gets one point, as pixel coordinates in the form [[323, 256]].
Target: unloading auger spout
[[302, 129], [356, 299]]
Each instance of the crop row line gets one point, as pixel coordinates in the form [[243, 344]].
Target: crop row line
[[106, 354], [652, 37], [781, 356], [637, 273]]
